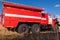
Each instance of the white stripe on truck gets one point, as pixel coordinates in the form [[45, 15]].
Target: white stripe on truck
[[23, 16]]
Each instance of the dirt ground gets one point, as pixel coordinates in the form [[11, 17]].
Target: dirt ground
[[9, 35]]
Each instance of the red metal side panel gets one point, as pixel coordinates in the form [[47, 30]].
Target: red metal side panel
[[10, 22], [22, 6], [21, 12], [53, 22], [45, 21], [14, 16]]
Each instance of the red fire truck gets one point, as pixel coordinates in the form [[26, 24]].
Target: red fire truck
[[25, 18]]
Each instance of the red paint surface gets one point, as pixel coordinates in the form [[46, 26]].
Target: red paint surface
[[21, 10]]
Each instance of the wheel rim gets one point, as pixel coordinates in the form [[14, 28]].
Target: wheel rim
[[23, 28], [35, 28]]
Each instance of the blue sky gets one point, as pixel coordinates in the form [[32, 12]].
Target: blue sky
[[50, 6]]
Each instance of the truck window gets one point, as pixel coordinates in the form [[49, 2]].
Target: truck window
[[43, 15]]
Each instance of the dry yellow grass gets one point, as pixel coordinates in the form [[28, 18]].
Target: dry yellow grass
[[59, 29], [4, 33]]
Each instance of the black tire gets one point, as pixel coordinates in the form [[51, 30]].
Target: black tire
[[35, 28], [23, 28]]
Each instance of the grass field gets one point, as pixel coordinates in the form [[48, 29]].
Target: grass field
[[10, 35], [4, 34]]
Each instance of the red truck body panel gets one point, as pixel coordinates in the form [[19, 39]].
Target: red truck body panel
[[13, 14], [53, 22]]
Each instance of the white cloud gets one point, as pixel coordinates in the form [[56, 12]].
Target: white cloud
[[57, 5], [58, 16]]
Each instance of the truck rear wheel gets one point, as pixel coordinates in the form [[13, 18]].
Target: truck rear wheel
[[35, 28], [23, 28]]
